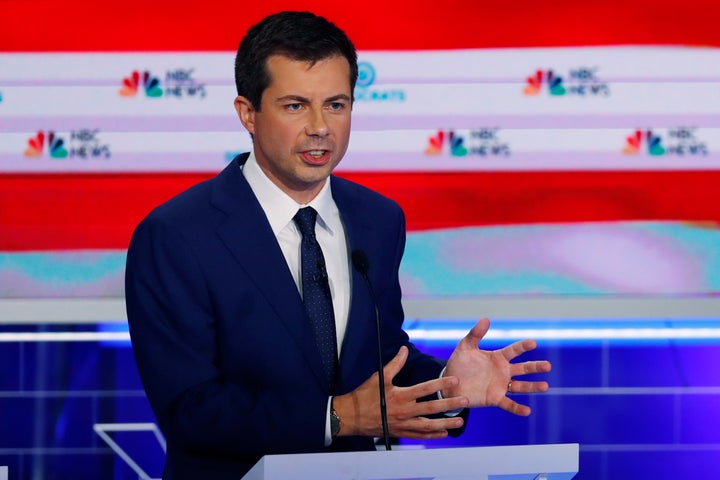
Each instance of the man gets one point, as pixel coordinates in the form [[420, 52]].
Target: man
[[253, 333]]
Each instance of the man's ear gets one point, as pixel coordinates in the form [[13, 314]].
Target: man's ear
[[246, 112]]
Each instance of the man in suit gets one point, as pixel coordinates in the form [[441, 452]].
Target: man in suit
[[223, 312]]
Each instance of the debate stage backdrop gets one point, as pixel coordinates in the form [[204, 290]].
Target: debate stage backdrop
[[565, 150]]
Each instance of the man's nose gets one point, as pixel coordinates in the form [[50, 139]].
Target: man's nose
[[317, 126]]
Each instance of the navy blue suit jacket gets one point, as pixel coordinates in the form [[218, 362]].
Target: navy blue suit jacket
[[220, 333]]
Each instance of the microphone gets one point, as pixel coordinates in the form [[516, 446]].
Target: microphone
[[361, 264]]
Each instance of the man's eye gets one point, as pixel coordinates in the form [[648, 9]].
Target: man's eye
[[337, 106], [293, 107]]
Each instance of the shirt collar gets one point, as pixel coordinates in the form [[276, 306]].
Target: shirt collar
[[279, 208]]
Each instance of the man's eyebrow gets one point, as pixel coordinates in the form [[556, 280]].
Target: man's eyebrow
[[294, 98], [335, 98], [301, 99]]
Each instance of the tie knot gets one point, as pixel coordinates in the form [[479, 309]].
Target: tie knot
[[305, 221]]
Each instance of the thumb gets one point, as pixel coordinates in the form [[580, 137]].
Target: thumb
[[472, 339], [395, 365]]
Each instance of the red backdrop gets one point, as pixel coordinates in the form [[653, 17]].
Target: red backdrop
[[68, 211]]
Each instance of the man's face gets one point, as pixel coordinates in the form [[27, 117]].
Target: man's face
[[302, 129]]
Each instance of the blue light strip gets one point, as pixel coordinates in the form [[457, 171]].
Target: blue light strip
[[452, 330], [65, 337], [568, 331]]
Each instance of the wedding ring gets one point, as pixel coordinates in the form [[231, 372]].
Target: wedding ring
[[509, 385]]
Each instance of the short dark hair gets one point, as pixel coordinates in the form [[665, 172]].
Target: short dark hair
[[296, 35]]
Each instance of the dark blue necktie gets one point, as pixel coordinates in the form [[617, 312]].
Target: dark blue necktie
[[316, 291]]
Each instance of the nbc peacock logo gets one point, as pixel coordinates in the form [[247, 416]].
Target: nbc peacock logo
[[653, 143], [37, 144], [553, 81], [454, 141], [145, 80]]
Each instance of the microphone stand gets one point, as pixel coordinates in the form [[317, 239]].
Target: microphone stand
[[360, 262]]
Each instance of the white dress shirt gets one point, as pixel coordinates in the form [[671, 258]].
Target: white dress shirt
[[280, 209]]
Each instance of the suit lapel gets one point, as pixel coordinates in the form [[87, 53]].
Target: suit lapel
[[249, 237], [359, 342]]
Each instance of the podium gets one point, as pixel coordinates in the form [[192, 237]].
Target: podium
[[525, 462]]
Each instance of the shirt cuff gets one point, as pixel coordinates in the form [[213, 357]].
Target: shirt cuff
[[328, 435], [449, 413]]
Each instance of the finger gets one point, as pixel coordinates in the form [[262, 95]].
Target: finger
[[420, 435], [514, 407], [525, 368], [476, 333], [429, 387], [395, 365], [433, 407], [529, 387], [421, 427], [518, 348]]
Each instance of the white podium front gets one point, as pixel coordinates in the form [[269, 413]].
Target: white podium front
[[525, 462]]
